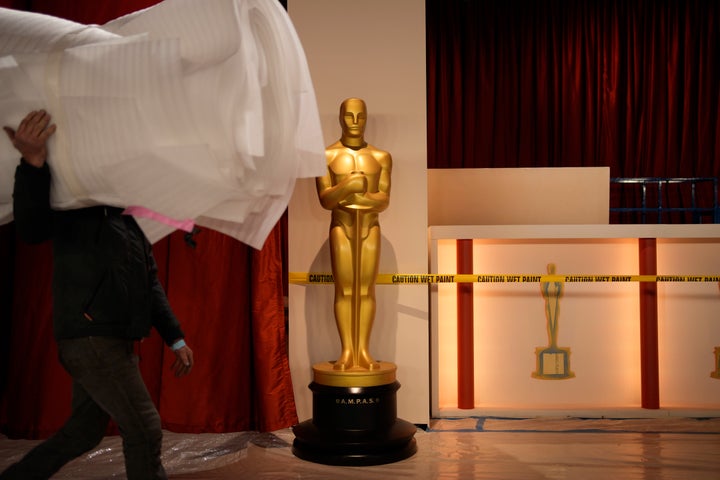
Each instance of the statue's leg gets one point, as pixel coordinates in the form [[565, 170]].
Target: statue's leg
[[368, 276], [341, 256]]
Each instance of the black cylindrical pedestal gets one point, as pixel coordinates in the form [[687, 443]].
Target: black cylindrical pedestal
[[354, 426]]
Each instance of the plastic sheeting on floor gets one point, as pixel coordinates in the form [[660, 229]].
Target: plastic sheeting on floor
[[468, 448]]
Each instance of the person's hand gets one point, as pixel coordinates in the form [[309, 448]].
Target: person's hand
[[183, 361], [30, 138]]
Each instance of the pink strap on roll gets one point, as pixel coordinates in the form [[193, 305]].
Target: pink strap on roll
[[184, 225]]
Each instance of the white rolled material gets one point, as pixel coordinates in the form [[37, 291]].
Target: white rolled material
[[201, 111]]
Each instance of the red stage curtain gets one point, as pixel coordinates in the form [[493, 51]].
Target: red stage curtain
[[228, 297], [550, 83]]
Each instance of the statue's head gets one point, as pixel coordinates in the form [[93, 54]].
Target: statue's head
[[353, 117]]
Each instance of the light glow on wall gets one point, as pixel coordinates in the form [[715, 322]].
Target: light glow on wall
[[599, 322], [691, 312]]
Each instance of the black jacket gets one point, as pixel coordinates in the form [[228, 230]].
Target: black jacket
[[104, 274]]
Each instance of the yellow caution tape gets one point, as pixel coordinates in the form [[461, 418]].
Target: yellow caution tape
[[424, 279]]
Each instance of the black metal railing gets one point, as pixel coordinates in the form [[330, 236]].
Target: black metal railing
[[659, 197]]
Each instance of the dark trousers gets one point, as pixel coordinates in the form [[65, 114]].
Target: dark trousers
[[106, 384]]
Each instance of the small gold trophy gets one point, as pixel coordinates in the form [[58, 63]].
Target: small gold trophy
[[552, 362], [354, 397]]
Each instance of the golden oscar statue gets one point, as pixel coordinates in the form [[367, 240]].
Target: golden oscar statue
[[356, 189], [354, 397]]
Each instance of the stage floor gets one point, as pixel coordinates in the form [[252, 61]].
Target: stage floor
[[466, 448]]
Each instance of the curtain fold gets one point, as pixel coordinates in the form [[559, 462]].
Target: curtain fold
[[210, 285], [36, 399], [274, 396], [227, 296]]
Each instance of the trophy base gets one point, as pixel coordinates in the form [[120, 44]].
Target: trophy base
[[325, 374], [354, 426], [553, 363], [354, 449]]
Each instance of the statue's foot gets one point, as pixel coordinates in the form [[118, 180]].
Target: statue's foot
[[344, 362], [366, 361], [347, 362]]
